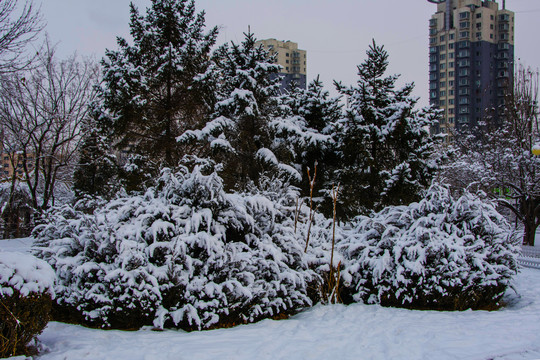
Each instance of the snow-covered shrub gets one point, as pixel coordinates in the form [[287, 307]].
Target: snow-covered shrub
[[439, 253], [185, 254], [26, 288]]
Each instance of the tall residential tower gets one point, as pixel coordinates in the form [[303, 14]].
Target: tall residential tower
[[292, 60], [471, 55]]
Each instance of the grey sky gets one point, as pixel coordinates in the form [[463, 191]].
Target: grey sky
[[335, 33]]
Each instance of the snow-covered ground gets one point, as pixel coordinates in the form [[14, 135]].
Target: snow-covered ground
[[327, 332]]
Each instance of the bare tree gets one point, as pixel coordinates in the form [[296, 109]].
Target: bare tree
[[499, 159], [20, 23], [41, 113], [521, 168]]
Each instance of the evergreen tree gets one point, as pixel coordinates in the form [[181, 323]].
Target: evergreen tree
[[239, 134], [96, 170], [152, 90], [314, 115], [384, 146]]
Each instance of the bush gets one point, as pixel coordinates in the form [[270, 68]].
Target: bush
[[185, 254], [441, 253], [25, 301]]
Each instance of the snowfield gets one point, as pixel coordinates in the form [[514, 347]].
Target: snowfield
[[326, 332]]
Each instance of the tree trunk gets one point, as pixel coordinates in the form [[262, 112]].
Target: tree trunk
[[530, 208], [529, 234]]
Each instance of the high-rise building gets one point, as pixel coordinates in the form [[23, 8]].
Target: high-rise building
[[292, 60], [471, 56]]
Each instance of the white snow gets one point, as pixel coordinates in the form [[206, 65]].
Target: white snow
[[330, 332], [325, 332], [23, 272]]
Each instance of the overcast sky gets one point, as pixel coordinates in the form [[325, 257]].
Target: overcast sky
[[335, 33]]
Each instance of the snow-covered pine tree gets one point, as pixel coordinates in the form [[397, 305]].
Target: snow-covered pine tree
[[443, 252], [239, 135], [96, 170], [384, 145], [184, 254], [152, 88], [308, 129]]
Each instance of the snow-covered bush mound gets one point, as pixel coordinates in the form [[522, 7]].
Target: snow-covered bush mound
[[24, 274], [185, 254], [26, 288], [439, 253]]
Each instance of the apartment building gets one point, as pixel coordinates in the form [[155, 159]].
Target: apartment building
[[292, 60], [471, 57], [12, 163]]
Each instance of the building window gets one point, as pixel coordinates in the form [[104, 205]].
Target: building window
[[464, 15], [443, 84], [442, 47], [442, 38], [451, 36], [287, 54], [433, 22], [451, 82], [451, 92], [442, 57], [443, 66], [451, 102], [451, 55], [478, 15], [443, 75], [442, 93], [450, 74], [442, 102], [464, 25], [463, 34], [433, 49]]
